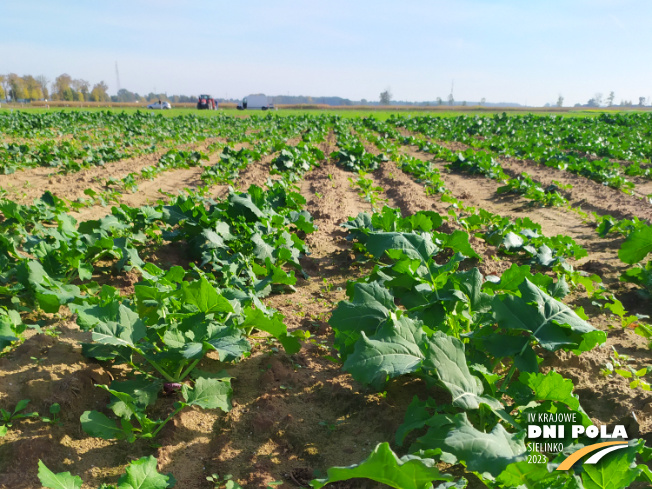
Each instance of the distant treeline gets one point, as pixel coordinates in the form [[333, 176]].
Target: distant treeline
[[65, 88], [338, 101]]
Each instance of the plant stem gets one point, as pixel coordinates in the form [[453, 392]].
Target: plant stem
[[167, 376], [189, 369], [172, 415], [508, 377]]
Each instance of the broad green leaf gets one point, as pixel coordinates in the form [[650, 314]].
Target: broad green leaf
[[120, 327], [255, 318], [551, 387], [143, 474], [142, 392], [458, 241], [369, 308], [97, 424], [613, 471], [261, 250], [62, 480], [393, 351], [209, 393], [416, 417], [552, 323], [130, 256], [385, 467], [203, 295], [512, 241], [445, 355], [470, 282], [229, 343], [242, 205], [525, 474], [361, 222], [482, 452], [544, 256], [415, 246], [636, 246], [511, 278]]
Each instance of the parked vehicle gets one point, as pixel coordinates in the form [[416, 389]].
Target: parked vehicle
[[255, 102], [159, 105], [206, 102]]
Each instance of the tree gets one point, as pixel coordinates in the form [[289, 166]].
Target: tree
[[17, 89], [3, 90], [439, 101], [483, 101], [451, 100], [43, 82], [641, 101], [560, 101], [610, 99], [385, 97], [125, 95], [32, 88], [598, 99], [80, 88], [98, 94], [61, 88]]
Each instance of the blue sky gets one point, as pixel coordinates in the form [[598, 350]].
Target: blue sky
[[527, 52]]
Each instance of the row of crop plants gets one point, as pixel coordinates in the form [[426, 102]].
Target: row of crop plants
[[243, 248], [607, 149], [476, 337]]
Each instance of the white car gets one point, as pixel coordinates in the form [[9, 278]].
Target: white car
[[159, 105]]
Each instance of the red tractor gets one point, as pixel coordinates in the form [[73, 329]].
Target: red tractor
[[206, 102]]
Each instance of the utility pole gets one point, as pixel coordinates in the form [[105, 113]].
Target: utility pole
[[117, 76]]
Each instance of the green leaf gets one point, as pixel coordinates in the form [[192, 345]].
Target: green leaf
[[203, 295], [229, 343], [413, 245], [482, 452], [445, 354], [97, 424], [385, 467], [62, 480], [613, 471], [511, 278], [261, 250], [141, 393], [242, 205], [512, 241], [393, 351], [458, 241], [142, 474], [525, 474], [369, 308], [470, 282], [416, 417], [553, 324], [636, 246], [255, 318], [209, 393], [115, 325], [551, 387]]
